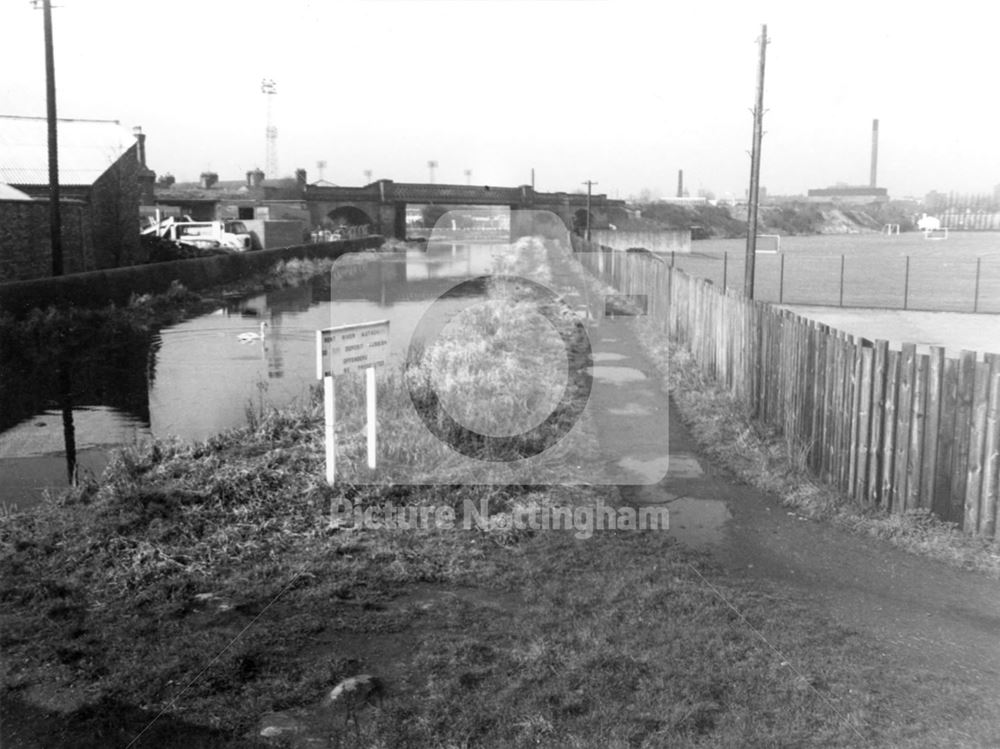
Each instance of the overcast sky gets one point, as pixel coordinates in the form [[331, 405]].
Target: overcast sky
[[625, 93]]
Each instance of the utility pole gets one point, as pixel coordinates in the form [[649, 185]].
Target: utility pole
[[55, 214], [758, 132], [589, 183]]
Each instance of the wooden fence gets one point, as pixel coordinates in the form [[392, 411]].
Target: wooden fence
[[893, 429]]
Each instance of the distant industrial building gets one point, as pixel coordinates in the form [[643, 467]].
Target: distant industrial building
[[256, 197], [849, 195], [855, 195], [274, 210]]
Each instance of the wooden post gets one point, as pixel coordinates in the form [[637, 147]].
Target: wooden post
[[941, 502], [904, 417], [932, 422], [914, 468], [819, 389], [781, 279], [906, 284], [977, 449], [329, 414], [975, 298], [841, 280], [372, 413], [752, 208], [963, 427], [864, 451], [890, 426], [991, 474], [876, 448], [854, 442]]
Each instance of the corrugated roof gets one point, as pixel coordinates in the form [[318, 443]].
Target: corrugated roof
[[86, 149], [12, 193]]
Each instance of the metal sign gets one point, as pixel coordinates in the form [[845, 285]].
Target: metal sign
[[351, 348]]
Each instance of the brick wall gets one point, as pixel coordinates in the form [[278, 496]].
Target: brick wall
[[114, 208], [25, 249]]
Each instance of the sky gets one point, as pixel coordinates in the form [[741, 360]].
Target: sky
[[622, 92]]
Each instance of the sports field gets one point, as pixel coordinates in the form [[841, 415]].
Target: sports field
[[955, 331], [863, 271]]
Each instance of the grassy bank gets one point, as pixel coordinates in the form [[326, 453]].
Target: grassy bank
[[790, 218], [206, 585]]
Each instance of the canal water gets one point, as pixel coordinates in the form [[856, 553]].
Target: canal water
[[198, 378]]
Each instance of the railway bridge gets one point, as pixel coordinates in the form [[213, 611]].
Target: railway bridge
[[382, 204]]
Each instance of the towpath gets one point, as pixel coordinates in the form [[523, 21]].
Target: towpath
[[924, 616]]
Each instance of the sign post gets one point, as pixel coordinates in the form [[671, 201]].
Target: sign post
[[329, 419], [370, 400], [350, 348]]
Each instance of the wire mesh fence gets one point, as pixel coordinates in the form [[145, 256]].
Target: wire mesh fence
[[907, 282]]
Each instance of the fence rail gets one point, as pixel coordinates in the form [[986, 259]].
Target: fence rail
[[893, 429], [961, 284]]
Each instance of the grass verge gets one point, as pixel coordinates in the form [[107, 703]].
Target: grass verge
[[205, 582]]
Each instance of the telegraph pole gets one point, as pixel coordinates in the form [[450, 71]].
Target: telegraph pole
[[589, 183], [55, 214], [758, 132]]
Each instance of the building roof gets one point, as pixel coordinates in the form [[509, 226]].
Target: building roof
[[87, 148], [12, 193]]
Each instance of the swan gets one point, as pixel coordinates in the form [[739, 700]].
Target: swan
[[248, 337]]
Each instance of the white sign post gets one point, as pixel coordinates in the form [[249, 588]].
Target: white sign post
[[350, 348]]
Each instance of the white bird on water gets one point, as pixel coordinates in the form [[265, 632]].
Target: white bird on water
[[248, 337]]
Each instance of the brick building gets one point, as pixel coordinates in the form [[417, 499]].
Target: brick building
[[103, 180]]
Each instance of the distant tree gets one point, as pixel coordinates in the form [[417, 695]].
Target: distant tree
[[431, 213], [166, 180]]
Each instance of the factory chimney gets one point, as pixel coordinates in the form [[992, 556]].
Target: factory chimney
[[874, 153]]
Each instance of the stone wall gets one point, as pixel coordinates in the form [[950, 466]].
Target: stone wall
[[663, 241]]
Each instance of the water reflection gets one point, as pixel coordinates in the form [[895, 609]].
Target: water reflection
[[68, 397], [69, 434]]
